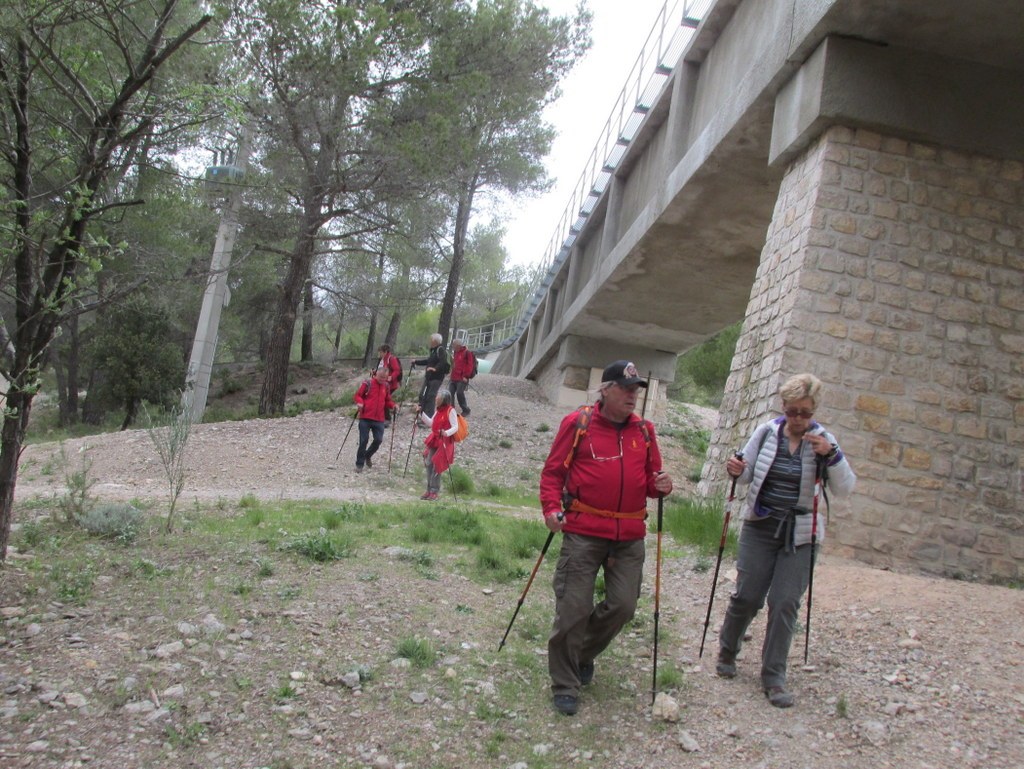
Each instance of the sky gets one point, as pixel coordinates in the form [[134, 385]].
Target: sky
[[589, 92]]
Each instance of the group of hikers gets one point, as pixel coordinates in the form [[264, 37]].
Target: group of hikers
[[376, 408], [603, 465]]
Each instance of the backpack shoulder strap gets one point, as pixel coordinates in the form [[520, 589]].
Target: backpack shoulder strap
[[583, 416]]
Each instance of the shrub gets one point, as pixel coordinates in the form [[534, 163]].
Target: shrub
[[320, 547], [116, 521]]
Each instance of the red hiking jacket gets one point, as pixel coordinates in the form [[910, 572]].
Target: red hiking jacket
[[394, 367], [612, 472], [462, 364], [375, 397]]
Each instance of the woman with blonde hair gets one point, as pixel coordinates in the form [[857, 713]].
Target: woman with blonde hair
[[783, 463]]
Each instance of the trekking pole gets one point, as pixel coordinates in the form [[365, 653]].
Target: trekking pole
[[718, 563], [819, 462], [411, 439], [391, 448], [519, 605], [657, 600], [336, 458], [451, 479]]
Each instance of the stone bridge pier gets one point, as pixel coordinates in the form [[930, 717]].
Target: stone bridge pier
[[570, 378], [893, 269]]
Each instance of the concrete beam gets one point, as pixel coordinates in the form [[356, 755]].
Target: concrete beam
[[917, 96]]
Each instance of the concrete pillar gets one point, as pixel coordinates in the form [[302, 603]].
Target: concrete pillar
[[894, 271], [215, 298], [570, 377]]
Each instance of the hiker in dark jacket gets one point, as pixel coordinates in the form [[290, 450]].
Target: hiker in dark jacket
[[462, 370], [782, 462], [601, 481], [435, 367]]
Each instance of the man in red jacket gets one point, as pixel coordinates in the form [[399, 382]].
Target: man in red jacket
[[372, 398], [462, 371], [603, 465]]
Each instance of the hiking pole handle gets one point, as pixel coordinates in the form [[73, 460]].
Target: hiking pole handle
[[522, 597]]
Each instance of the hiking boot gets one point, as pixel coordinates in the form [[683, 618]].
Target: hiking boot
[[426, 496], [586, 672], [432, 496], [359, 468], [566, 704], [779, 697], [369, 463], [726, 665], [465, 412]]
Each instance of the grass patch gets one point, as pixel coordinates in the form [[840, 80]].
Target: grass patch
[[419, 651], [699, 523], [320, 546]]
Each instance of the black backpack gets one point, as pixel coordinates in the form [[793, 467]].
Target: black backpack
[[401, 373], [475, 367]]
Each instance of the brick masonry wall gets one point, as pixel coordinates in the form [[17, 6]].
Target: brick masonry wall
[[894, 271]]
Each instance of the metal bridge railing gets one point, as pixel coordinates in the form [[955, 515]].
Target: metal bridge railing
[[672, 30]]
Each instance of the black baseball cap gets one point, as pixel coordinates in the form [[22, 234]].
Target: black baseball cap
[[623, 372]]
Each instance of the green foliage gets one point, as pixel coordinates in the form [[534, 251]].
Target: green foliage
[[116, 521], [842, 706], [170, 440], [670, 677], [320, 547], [698, 522], [72, 582], [462, 479], [701, 373], [419, 651], [135, 346], [77, 499], [448, 526]]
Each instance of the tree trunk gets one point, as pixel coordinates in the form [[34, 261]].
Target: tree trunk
[[371, 336], [131, 409], [462, 213], [12, 439], [279, 345], [337, 334], [308, 307], [391, 337]]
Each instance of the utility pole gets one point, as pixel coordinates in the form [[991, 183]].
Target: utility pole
[[217, 294]]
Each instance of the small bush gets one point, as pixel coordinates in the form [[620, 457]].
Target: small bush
[[115, 521], [505, 443], [31, 535], [72, 582], [543, 427]]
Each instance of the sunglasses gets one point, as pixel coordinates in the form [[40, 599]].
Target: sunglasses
[[802, 413]]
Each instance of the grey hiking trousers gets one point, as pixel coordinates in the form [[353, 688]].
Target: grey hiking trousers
[[767, 567]]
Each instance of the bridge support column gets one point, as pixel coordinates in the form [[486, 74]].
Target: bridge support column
[[894, 271], [570, 377]]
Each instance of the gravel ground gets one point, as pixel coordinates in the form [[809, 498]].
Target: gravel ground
[[904, 670]]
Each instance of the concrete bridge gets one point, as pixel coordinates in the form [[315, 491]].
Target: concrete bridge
[[847, 177]]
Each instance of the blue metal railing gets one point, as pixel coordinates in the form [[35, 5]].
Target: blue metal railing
[[672, 30]]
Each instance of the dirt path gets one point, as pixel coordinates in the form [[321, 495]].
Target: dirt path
[[905, 670]]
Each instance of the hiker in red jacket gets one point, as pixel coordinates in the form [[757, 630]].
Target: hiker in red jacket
[[392, 364], [603, 465], [372, 399], [439, 450], [463, 362]]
